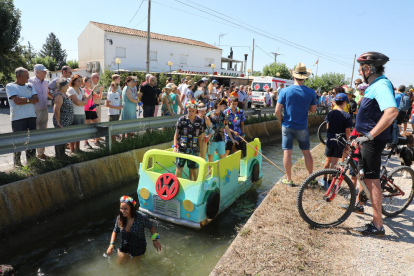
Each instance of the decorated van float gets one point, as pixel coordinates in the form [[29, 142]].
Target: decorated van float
[[195, 203]]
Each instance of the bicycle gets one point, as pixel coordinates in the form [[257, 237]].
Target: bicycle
[[319, 207], [322, 132]]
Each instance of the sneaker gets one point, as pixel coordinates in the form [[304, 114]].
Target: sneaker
[[87, 145], [288, 183], [328, 184], [323, 183], [359, 209], [313, 183], [370, 229]]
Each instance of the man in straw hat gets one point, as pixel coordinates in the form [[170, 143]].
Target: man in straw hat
[[296, 100], [188, 138]]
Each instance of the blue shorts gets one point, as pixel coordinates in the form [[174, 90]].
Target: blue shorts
[[301, 135], [216, 146]]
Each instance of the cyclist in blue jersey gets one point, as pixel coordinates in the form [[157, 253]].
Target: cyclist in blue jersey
[[377, 111]]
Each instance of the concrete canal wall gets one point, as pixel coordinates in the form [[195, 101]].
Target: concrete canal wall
[[35, 197]]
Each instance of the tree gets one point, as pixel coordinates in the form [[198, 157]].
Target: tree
[[327, 81], [257, 73], [10, 50], [29, 54], [73, 64], [409, 87], [273, 68], [53, 48], [48, 62]]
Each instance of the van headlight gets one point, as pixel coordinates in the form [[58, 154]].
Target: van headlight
[[188, 205]]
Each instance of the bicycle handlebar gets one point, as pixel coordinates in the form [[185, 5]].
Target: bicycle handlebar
[[340, 138]]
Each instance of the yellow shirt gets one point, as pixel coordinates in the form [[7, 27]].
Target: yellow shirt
[[346, 108]]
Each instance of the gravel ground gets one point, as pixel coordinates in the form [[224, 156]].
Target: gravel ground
[[333, 251]]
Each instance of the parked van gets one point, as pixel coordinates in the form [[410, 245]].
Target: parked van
[[261, 84]]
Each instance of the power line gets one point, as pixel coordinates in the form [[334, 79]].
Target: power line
[[276, 38], [137, 11], [141, 21], [292, 44], [264, 51]]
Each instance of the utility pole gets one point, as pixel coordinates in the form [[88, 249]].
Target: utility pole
[[252, 56], [148, 36], [353, 69], [276, 54]]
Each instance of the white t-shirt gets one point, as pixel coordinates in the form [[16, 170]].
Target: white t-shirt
[[198, 93], [115, 100], [214, 96], [24, 111], [268, 98], [182, 87], [77, 110], [241, 96]]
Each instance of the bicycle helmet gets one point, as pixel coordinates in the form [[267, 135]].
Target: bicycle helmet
[[363, 86], [373, 58]]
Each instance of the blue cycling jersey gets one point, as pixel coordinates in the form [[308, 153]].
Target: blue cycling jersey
[[378, 97]]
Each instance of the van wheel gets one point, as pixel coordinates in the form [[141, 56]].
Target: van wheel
[[255, 172], [213, 205]]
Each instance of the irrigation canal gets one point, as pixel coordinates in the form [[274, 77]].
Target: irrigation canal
[[74, 241]]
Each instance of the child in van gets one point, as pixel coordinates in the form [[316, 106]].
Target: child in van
[[113, 101], [338, 122]]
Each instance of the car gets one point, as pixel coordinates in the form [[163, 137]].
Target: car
[[195, 203], [3, 95]]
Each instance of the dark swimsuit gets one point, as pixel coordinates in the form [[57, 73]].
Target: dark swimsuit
[[133, 242]]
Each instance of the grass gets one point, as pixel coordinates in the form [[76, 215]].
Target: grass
[[276, 241], [140, 140]]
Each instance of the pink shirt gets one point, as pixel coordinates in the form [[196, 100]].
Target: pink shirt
[[90, 102], [41, 87]]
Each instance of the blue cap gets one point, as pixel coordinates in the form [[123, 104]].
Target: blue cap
[[214, 81], [341, 97]]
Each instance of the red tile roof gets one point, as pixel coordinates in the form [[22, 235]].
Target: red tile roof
[[128, 31]]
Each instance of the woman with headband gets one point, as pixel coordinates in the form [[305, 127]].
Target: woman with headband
[[131, 224]]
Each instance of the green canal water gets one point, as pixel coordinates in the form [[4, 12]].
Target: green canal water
[[74, 242]]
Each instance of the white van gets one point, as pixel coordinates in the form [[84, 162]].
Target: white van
[[261, 84]]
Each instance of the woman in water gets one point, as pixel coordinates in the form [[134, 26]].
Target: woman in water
[[131, 224]]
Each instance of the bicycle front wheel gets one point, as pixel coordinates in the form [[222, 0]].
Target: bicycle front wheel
[[322, 210], [398, 193], [322, 133]]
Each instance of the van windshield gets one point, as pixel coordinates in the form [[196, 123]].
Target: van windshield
[[261, 86]]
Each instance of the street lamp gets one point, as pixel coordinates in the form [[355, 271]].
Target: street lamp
[[213, 66], [277, 74], [118, 61], [170, 63]]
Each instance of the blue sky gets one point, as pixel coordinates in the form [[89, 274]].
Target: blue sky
[[335, 29]]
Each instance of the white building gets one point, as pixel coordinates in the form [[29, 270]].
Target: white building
[[99, 45]]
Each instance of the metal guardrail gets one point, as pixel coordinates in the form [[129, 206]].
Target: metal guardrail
[[20, 141]]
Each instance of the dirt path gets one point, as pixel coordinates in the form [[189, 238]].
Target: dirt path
[[276, 241]]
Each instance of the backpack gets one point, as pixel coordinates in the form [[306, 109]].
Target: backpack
[[404, 103]]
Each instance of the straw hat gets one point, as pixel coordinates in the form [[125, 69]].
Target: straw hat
[[350, 90], [190, 82], [301, 72], [169, 86]]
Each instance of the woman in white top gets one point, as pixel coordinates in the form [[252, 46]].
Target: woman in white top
[[212, 90], [79, 100]]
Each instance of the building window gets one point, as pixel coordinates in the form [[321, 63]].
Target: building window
[[183, 59], [153, 56], [208, 62], [120, 52]]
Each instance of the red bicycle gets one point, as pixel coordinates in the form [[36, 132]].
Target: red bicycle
[[319, 206]]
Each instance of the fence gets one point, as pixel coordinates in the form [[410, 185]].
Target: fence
[[20, 141]]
